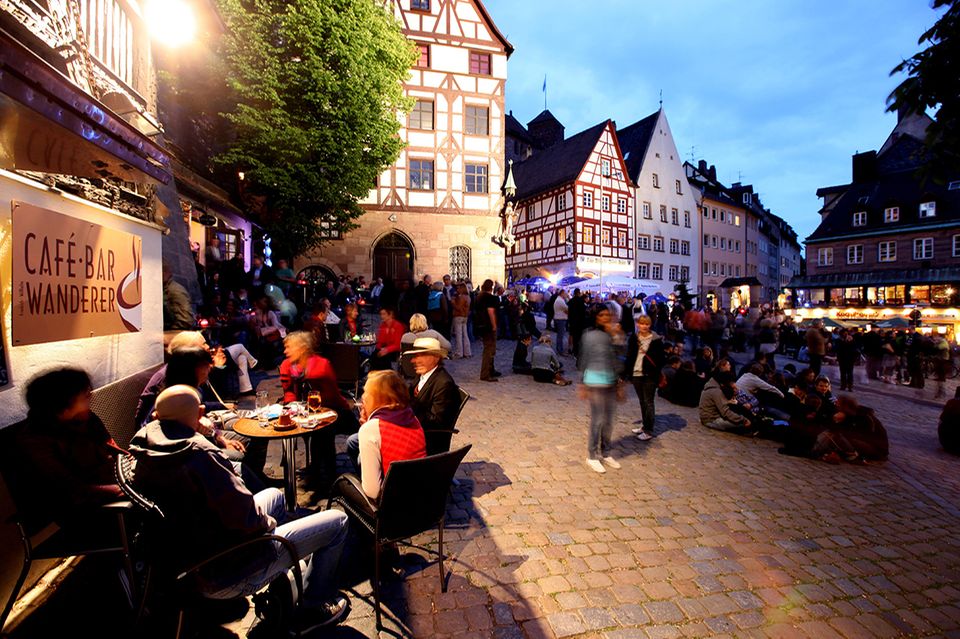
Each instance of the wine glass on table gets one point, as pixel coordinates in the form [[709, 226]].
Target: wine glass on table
[[314, 402], [262, 402]]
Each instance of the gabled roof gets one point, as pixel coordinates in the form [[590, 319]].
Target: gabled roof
[[493, 27], [560, 164], [545, 116], [634, 141]]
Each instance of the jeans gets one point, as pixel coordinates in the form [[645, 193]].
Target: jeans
[[722, 424], [461, 342], [489, 352], [319, 540], [561, 326], [646, 388], [602, 403], [846, 374], [244, 361], [816, 362], [353, 450], [323, 448]]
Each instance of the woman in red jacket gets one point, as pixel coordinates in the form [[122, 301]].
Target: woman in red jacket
[[302, 371], [388, 341]]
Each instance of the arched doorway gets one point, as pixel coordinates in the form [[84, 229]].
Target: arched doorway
[[393, 258]]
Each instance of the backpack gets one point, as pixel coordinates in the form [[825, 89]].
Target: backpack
[[433, 300]]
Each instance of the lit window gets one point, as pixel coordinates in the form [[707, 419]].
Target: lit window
[[605, 237], [923, 248], [588, 235], [860, 218], [825, 257], [891, 214], [855, 254], [479, 63], [621, 238], [561, 236], [476, 178], [737, 219], [887, 251], [928, 209], [423, 62]]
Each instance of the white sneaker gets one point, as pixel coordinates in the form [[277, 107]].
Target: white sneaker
[[636, 431], [611, 462], [644, 436], [596, 466]]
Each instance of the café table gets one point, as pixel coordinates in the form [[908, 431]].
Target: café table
[[252, 428]]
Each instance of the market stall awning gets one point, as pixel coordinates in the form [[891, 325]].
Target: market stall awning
[[736, 282], [947, 275], [49, 124]]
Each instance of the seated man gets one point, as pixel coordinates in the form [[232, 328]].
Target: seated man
[[545, 363], [716, 406], [669, 372], [685, 385], [521, 356], [752, 383], [64, 458], [435, 398], [204, 501]]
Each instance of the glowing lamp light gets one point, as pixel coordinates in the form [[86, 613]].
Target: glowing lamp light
[[171, 22], [204, 323], [942, 330]]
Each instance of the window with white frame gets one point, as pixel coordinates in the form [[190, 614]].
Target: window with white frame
[[928, 209], [713, 214], [723, 268], [605, 203], [588, 199], [723, 215], [706, 239], [855, 254], [477, 120], [738, 271], [684, 247], [672, 271], [643, 271], [621, 205], [605, 237], [656, 273], [675, 217], [674, 246], [605, 167], [713, 241], [954, 186], [647, 212], [923, 248], [737, 220], [679, 188], [706, 268], [737, 246], [956, 245], [656, 185], [685, 273], [643, 242], [860, 218], [713, 268], [723, 244], [621, 238], [658, 244], [588, 235], [561, 202], [663, 213], [887, 251], [475, 178], [891, 214], [825, 256], [686, 219]]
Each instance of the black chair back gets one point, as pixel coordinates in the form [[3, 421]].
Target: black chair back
[[15, 555], [115, 404], [346, 361], [464, 398], [124, 472], [407, 369], [414, 494], [438, 441]]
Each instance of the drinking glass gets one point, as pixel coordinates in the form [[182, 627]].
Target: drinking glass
[[261, 406], [313, 401]]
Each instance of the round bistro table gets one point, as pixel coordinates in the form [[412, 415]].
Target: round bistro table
[[252, 428]]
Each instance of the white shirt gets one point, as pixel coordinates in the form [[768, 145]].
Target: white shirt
[[560, 309], [643, 345], [424, 378], [332, 318], [371, 473]]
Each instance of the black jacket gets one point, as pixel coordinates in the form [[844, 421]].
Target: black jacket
[[652, 362], [437, 403]]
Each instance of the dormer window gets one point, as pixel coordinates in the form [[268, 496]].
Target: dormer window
[[747, 198], [860, 218], [864, 199], [954, 186], [891, 214], [928, 209]]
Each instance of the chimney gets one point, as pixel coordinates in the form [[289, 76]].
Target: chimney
[[713, 172], [702, 166], [864, 167]]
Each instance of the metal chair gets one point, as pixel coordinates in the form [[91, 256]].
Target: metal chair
[[184, 585], [413, 500]]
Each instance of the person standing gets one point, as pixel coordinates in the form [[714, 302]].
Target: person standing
[[560, 321], [642, 368], [600, 387], [461, 311], [548, 307], [576, 319], [816, 345], [485, 325], [847, 353]]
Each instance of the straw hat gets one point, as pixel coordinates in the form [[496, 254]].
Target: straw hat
[[427, 346]]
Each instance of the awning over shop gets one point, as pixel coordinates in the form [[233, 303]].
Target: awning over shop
[[736, 282], [878, 278], [49, 124]]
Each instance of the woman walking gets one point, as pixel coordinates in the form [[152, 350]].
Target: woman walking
[[600, 387]]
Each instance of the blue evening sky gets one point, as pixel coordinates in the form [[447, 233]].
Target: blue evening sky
[[780, 91]]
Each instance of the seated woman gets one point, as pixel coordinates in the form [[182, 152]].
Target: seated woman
[[65, 458], [267, 329], [704, 362], [418, 329], [390, 432], [545, 363], [352, 324], [855, 435], [301, 372], [821, 389], [388, 341], [686, 386]]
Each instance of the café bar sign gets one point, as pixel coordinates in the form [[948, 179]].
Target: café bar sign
[[72, 279]]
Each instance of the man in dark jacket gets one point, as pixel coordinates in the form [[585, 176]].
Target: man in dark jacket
[[642, 368], [260, 274], [435, 396], [204, 501], [577, 319]]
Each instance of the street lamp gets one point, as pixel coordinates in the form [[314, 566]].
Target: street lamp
[[171, 22]]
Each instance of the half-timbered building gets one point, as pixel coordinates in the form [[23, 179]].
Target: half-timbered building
[[435, 210], [575, 209]]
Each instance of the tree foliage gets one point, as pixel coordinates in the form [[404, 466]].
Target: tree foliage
[[933, 80], [318, 92]]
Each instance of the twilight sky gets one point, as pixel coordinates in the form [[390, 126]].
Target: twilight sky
[[782, 91]]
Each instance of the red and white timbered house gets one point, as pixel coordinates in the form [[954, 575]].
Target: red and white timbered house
[[576, 209]]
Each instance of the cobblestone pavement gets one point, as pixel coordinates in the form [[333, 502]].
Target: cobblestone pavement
[[700, 534]]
